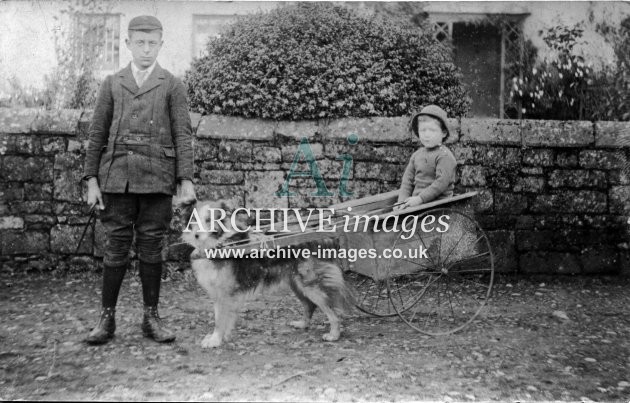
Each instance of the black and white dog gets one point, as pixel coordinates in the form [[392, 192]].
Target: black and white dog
[[230, 281]]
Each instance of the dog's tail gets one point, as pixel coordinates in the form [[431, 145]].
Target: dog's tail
[[340, 297]]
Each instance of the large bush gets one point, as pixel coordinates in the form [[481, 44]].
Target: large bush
[[314, 60]]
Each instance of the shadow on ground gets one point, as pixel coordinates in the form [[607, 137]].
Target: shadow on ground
[[517, 350]]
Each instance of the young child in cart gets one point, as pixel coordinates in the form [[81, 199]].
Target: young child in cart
[[430, 174]]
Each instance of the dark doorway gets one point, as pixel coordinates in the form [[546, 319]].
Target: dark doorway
[[478, 55]]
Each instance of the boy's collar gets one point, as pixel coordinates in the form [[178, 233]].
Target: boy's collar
[[135, 69]]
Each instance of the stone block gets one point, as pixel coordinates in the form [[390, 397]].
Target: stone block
[[261, 190], [472, 175], [488, 131], [39, 221], [22, 144], [498, 157], [233, 151], [11, 222], [235, 128], [19, 168], [538, 157], [501, 177], [385, 172], [299, 129], [205, 149], [565, 240], [38, 191], [567, 159], [12, 191], [532, 170], [63, 121], [509, 203], [223, 177], [27, 242], [555, 133], [259, 166], [377, 129], [569, 201], [505, 259], [618, 177], [289, 151], [601, 259], [227, 193], [369, 152], [463, 154], [68, 174], [53, 145], [602, 159], [65, 239], [69, 209], [574, 178], [31, 207], [549, 263], [612, 134], [619, 197], [529, 184], [75, 146], [266, 154], [17, 120], [331, 171]]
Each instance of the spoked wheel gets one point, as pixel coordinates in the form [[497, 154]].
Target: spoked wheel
[[371, 294], [442, 290]]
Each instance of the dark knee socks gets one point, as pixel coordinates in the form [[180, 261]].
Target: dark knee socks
[[150, 276], [112, 279]]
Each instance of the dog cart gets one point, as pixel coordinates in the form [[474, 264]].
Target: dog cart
[[437, 278], [436, 293]]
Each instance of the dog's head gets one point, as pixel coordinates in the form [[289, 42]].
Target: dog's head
[[210, 225]]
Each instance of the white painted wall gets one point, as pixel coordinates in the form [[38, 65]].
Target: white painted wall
[[27, 28]]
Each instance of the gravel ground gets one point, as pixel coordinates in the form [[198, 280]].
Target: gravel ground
[[517, 350]]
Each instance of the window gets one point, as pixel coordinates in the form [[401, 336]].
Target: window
[[206, 27], [442, 31], [98, 40]]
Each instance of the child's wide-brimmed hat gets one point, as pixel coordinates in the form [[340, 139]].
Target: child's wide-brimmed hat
[[144, 23], [435, 112]]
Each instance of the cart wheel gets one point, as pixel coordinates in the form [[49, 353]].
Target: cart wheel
[[442, 291], [371, 295]]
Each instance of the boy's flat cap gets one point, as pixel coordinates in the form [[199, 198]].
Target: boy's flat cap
[[144, 22]]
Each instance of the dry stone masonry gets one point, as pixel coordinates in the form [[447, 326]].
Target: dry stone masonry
[[554, 195]]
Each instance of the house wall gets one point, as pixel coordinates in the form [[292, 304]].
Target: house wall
[[27, 28], [27, 31], [553, 195], [542, 15]]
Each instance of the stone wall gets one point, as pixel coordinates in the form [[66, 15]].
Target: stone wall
[[553, 195]]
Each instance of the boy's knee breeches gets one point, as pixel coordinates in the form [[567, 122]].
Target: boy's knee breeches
[[148, 215]]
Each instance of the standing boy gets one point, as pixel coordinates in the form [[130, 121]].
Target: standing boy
[[139, 154]]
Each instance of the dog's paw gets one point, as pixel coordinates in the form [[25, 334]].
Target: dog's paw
[[299, 324], [211, 341], [331, 336]]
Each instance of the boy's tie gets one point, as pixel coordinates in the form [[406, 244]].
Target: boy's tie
[[142, 75]]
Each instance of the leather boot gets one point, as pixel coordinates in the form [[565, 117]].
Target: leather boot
[[104, 331], [153, 327]]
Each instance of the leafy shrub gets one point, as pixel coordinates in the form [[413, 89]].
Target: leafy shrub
[[314, 60], [565, 86]]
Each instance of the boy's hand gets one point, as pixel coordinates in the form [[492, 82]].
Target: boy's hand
[[185, 192], [412, 202], [94, 195]]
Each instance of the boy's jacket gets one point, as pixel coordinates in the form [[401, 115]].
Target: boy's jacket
[[140, 139]]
